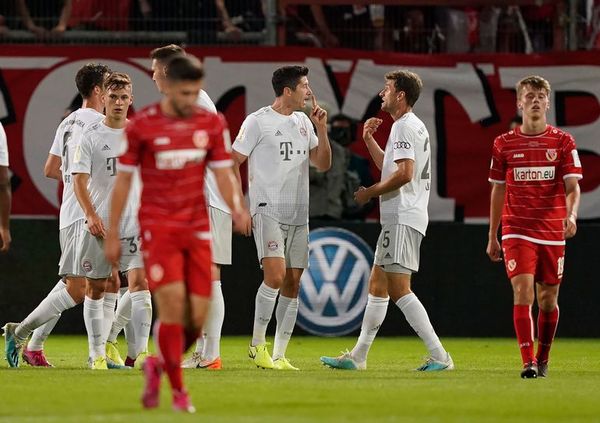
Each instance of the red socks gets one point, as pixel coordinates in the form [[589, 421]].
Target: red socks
[[524, 330], [547, 324], [170, 343]]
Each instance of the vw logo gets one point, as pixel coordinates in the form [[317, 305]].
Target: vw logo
[[334, 289]]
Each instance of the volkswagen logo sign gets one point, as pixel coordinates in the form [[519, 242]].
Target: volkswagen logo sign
[[334, 289]]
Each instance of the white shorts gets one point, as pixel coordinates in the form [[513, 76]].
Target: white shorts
[[221, 229], [398, 249], [94, 264], [70, 240], [274, 239]]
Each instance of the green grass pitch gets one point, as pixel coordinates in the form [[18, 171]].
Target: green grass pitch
[[485, 387]]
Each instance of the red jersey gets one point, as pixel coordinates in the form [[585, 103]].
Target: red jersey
[[533, 168], [172, 154]]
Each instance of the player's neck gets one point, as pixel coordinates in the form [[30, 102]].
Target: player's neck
[[91, 103], [399, 112], [533, 127], [280, 107], [114, 123]]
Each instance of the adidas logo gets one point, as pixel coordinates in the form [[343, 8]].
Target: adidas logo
[[278, 133], [388, 255], [105, 148]]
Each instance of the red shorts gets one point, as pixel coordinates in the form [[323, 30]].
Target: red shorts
[[544, 262], [173, 256]]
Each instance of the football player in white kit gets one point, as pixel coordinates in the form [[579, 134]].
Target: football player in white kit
[[404, 195], [69, 291], [278, 141], [94, 171], [207, 353]]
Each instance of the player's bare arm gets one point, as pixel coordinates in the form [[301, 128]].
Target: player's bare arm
[[5, 201], [493, 249], [320, 156], [52, 167], [238, 159], [94, 222], [573, 193], [231, 192], [120, 193], [400, 177], [369, 128]]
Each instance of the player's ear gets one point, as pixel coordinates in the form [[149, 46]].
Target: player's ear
[[131, 99]]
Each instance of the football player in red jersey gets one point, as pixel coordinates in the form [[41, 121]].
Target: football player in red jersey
[[172, 142], [534, 173]]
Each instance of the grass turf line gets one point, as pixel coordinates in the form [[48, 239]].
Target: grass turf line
[[485, 386]]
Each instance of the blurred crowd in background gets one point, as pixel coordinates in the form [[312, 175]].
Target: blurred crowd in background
[[542, 26]]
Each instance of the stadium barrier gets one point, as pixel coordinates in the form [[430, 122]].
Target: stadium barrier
[[465, 294]]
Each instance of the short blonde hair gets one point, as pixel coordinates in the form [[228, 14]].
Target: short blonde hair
[[116, 81], [535, 82]]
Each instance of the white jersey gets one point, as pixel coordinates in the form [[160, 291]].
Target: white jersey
[[278, 148], [3, 147], [212, 190], [407, 205], [68, 135], [96, 155]]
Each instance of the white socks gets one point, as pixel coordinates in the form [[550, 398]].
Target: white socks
[[141, 318], [417, 317], [50, 307], [39, 336], [287, 310], [214, 322], [93, 316], [264, 305], [374, 316], [122, 317], [110, 302]]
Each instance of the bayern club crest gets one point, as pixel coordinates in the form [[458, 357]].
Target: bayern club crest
[[334, 289], [551, 154]]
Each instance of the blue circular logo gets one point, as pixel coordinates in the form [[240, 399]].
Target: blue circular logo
[[334, 289]]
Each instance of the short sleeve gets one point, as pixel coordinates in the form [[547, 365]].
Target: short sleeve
[[313, 140], [403, 138], [219, 155], [130, 149], [3, 147], [248, 137], [571, 165], [497, 172], [56, 149], [82, 159]]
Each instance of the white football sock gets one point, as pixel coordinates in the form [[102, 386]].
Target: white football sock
[[214, 323], [141, 318], [50, 307], [264, 305], [417, 317], [122, 317], [374, 316], [110, 302], [39, 335], [93, 316], [286, 313]]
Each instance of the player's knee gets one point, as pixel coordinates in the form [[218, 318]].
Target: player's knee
[[547, 302]]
